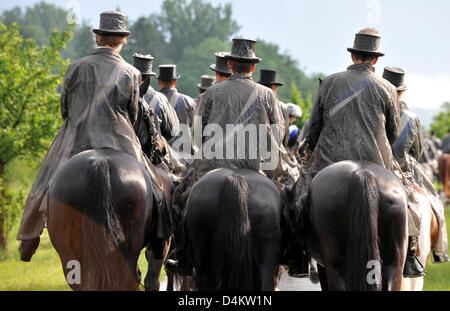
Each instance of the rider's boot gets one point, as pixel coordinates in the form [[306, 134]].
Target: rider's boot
[[182, 266], [413, 268], [27, 248], [440, 257]]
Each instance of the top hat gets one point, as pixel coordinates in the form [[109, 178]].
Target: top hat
[[243, 50], [168, 73], [112, 23], [206, 82], [367, 41], [144, 63], [269, 77], [396, 76], [221, 65]]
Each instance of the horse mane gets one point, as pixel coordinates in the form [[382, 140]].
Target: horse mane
[[233, 262]]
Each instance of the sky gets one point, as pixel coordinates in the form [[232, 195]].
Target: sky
[[414, 34]]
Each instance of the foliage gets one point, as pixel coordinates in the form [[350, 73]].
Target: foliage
[[187, 24], [29, 104], [441, 122], [146, 38], [82, 43], [305, 104], [196, 61], [289, 72], [36, 22]]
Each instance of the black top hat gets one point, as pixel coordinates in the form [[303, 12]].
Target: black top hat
[[221, 65], [168, 72], [243, 50], [112, 23], [269, 77], [396, 76], [206, 82], [367, 41], [144, 63]]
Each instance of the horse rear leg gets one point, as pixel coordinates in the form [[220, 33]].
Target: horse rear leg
[[321, 271], [393, 246]]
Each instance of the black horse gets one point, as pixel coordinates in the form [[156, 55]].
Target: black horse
[[355, 220], [233, 230]]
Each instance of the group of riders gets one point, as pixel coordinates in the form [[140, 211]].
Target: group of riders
[[357, 115]]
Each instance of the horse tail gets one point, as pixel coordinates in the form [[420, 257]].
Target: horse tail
[[102, 232], [231, 248], [363, 233]]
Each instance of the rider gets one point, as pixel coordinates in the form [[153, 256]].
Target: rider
[[99, 106], [446, 143], [205, 82], [233, 103], [183, 104], [165, 117], [408, 150], [356, 117], [294, 112], [269, 78], [220, 67]]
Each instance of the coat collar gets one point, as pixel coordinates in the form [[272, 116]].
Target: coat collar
[[103, 50], [168, 90], [361, 67], [240, 76]]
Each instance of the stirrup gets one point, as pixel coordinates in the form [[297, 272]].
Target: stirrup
[[409, 272]]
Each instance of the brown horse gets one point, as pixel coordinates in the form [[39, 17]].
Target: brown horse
[[444, 173], [429, 231], [101, 214]]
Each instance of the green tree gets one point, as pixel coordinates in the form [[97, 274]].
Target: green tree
[[29, 105], [37, 22], [187, 24], [304, 104], [196, 62], [441, 122], [146, 38], [289, 70], [82, 43]]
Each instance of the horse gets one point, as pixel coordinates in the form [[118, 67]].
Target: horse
[[101, 214], [444, 173], [429, 230], [355, 222], [233, 231], [174, 280]]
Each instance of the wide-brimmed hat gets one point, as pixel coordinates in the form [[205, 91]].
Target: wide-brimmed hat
[[112, 23], [221, 65], [168, 72], [243, 50], [206, 82], [396, 76], [144, 63], [268, 77], [367, 41]]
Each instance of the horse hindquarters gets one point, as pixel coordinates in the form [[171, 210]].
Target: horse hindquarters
[[84, 224]]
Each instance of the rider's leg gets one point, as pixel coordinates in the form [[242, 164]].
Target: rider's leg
[[413, 267], [182, 265], [440, 246]]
